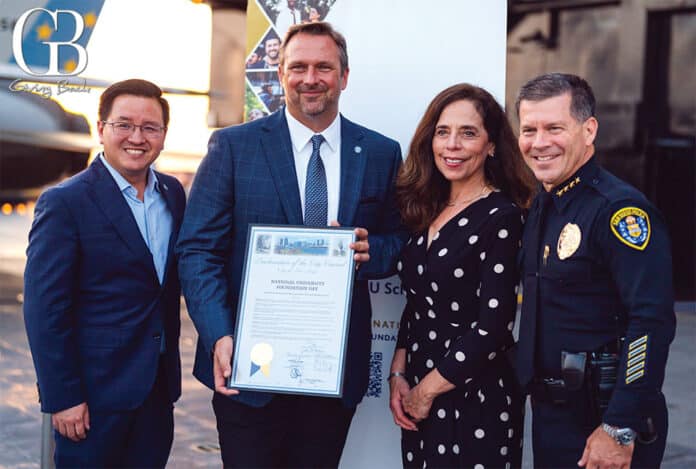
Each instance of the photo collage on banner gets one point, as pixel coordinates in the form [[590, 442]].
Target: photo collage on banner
[[267, 23]]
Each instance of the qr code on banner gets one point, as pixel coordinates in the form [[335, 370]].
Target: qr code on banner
[[374, 387]]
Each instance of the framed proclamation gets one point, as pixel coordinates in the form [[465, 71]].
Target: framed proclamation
[[294, 310]]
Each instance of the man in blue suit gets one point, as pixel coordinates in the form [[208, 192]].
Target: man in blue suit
[[102, 293], [263, 172]]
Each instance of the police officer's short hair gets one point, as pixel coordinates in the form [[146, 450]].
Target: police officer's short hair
[[549, 85]]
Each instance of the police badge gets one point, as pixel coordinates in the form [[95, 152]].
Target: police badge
[[632, 226], [568, 241]]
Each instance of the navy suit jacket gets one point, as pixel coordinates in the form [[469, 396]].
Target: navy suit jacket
[[93, 306], [248, 176]]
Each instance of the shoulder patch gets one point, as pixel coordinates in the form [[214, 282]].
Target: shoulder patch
[[632, 226]]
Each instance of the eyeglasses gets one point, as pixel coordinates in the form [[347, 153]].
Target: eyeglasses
[[126, 128]]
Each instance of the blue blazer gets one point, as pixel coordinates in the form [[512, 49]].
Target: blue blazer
[[248, 176], [93, 306]]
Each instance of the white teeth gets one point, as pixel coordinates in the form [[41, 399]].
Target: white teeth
[[544, 158], [453, 161], [134, 152]]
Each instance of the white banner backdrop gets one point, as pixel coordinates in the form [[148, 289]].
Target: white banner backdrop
[[401, 55], [373, 439]]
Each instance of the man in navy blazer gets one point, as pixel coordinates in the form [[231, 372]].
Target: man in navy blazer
[[102, 293], [256, 173]]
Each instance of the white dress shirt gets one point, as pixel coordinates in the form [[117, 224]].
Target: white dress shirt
[[330, 152]]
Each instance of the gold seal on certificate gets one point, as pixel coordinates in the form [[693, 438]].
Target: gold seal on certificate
[[294, 310]]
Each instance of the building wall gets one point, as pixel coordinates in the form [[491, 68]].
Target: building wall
[[606, 45]]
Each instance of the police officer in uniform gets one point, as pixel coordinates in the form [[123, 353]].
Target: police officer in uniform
[[598, 309]]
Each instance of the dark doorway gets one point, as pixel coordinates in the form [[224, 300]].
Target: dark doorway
[[668, 134]]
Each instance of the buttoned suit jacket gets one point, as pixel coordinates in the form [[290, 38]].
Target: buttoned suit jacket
[[94, 308], [248, 176]]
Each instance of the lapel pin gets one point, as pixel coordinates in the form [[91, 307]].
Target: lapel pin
[[357, 149], [165, 187]]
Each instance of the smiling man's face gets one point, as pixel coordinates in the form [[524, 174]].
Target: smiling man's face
[[272, 48], [132, 155], [312, 78], [554, 144]]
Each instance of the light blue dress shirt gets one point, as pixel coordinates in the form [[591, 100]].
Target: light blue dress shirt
[[152, 215]]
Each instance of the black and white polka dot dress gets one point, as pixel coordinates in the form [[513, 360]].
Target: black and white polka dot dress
[[459, 316]]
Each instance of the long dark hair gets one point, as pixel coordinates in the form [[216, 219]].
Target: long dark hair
[[422, 191]]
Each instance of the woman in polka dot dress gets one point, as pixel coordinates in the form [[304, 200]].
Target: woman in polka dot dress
[[461, 192]]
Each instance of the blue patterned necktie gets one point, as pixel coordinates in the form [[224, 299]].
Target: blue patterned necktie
[[316, 198]]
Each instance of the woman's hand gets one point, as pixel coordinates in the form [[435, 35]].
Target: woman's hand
[[398, 388], [419, 400], [417, 403]]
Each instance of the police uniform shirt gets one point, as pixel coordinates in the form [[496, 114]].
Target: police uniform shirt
[[605, 271]]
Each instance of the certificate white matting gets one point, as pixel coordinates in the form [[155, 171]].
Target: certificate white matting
[[294, 310]]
